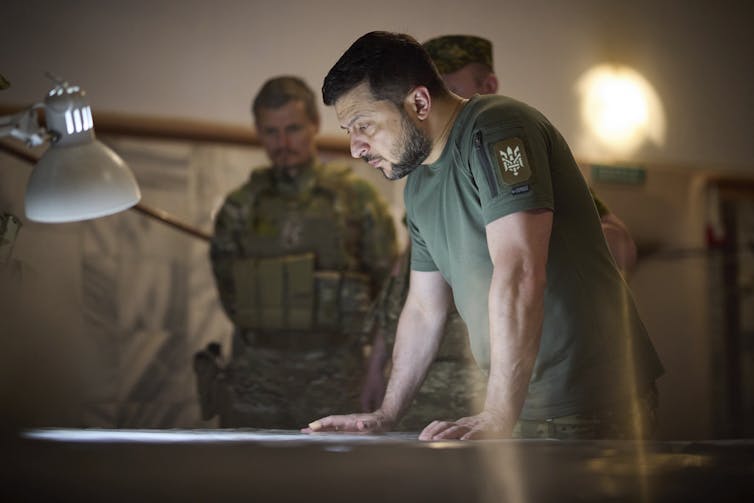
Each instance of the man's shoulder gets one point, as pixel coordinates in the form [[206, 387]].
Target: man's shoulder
[[499, 110]]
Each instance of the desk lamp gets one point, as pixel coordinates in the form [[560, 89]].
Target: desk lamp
[[78, 177]]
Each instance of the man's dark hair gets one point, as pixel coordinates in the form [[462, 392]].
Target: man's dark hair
[[278, 91], [391, 63]]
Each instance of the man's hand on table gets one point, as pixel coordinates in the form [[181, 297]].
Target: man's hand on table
[[482, 425], [373, 422]]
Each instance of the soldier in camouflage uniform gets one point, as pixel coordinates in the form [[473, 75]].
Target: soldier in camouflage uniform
[[297, 253]]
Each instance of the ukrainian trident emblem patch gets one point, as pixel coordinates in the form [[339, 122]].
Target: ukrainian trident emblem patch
[[510, 155]]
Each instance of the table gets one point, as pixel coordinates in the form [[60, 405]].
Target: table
[[278, 465]]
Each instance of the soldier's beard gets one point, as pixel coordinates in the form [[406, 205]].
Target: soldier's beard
[[413, 148]]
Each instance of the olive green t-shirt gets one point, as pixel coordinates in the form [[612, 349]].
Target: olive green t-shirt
[[503, 157]]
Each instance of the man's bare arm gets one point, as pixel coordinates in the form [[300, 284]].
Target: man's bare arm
[[518, 245], [416, 342], [417, 339]]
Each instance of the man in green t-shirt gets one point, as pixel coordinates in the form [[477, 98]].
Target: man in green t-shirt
[[453, 385], [502, 221]]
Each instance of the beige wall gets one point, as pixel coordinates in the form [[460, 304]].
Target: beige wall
[[205, 60]]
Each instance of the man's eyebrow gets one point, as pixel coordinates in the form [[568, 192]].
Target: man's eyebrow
[[350, 123]]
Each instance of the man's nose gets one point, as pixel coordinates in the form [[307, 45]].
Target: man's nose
[[284, 141], [359, 148]]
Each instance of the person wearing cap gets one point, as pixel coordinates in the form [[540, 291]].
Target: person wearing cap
[[465, 64], [501, 223]]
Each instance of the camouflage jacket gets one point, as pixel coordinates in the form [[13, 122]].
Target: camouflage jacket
[[325, 212]]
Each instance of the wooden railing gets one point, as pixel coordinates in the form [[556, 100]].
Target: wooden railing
[[192, 130]]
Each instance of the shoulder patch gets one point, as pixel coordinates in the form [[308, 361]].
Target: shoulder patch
[[510, 155]]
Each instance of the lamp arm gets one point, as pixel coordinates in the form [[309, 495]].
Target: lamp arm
[[24, 126]]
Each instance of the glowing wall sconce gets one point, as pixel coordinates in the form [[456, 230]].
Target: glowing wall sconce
[[78, 177], [620, 109]]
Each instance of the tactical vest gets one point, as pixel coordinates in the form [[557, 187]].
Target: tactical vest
[[299, 270]]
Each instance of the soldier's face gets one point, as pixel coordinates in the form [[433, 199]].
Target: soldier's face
[[381, 133], [470, 80], [287, 134]]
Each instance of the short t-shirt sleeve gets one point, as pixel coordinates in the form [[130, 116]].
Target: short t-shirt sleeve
[[421, 260], [510, 165]]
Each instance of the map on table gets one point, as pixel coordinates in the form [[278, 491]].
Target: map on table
[[262, 436]]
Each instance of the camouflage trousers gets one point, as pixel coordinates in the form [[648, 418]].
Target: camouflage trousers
[[636, 420], [267, 388], [452, 389]]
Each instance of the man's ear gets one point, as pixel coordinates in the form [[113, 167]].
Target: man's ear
[[419, 101], [490, 84]]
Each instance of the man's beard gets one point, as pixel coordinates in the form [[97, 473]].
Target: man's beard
[[413, 148]]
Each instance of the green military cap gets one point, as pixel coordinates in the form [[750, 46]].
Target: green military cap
[[453, 52]]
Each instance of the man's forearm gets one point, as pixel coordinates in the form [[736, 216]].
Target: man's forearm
[[416, 343], [516, 306]]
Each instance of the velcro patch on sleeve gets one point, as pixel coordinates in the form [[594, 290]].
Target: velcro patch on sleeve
[[510, 155]]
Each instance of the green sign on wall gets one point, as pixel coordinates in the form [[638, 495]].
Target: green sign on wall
[[624, 175]]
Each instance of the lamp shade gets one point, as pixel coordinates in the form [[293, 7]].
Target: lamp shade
[[78, 177], [79, 181]]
